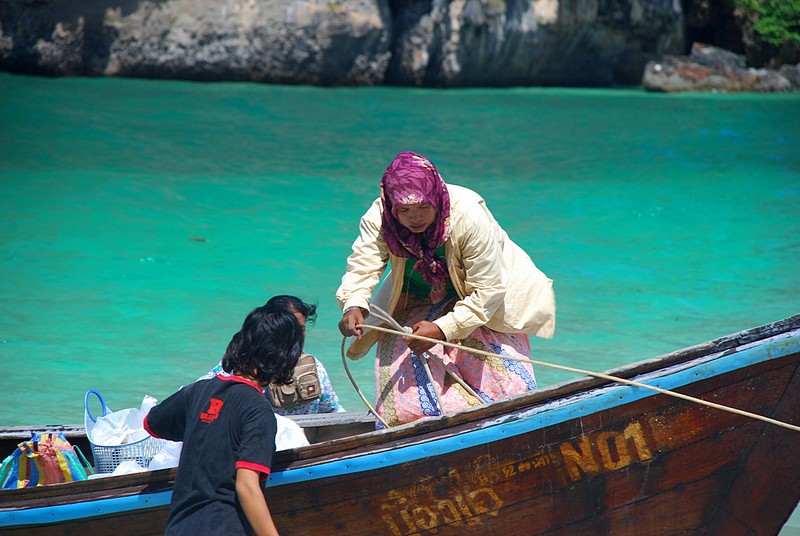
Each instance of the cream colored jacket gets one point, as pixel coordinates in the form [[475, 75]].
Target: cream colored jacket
[[497, 282]]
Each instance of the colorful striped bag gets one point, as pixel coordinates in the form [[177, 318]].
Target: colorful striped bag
[[42, 460]]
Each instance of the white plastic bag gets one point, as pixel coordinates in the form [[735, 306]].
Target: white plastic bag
[[128, 467], [122, 427], [168, 456], [290, 434]]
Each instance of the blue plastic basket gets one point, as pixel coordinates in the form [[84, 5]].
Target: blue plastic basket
[[108, 457]]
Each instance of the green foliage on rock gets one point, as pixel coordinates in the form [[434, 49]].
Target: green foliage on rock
[[776, 21]]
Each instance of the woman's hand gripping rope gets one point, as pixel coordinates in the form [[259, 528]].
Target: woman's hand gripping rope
[[421, 344], [352, 323]]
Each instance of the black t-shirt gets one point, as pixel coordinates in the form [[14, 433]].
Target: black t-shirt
[[225, 423]]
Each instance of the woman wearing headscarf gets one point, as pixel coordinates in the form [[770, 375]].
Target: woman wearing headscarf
[[455, 276]]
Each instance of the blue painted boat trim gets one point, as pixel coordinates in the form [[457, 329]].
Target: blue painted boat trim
[[58, 514], [538, 417]]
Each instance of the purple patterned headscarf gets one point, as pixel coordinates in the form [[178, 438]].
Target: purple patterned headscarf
[[413, 179]]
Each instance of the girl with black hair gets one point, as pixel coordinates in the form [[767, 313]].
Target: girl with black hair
[[228, 430]]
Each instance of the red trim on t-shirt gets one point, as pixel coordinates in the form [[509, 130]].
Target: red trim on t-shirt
[[234, 378], [257, 467], [147, 427]]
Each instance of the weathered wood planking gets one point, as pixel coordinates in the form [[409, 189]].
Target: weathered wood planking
[[584, 457]]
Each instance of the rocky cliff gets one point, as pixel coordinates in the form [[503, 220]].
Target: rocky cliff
[[432, 43]]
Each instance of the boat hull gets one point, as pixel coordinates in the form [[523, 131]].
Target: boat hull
[[615, 471], [586, 457]]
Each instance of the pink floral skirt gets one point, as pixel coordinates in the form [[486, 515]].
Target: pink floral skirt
[[404, 392]]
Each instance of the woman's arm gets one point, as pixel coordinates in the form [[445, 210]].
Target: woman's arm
[[476, 238], [251, 497]]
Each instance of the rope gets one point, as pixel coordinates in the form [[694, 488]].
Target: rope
[[353, 381], [404, 333], [386, 317]]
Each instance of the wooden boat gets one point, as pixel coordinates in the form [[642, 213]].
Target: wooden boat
[[588, 456]]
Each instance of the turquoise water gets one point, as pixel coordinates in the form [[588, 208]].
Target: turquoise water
[[142, 220]]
